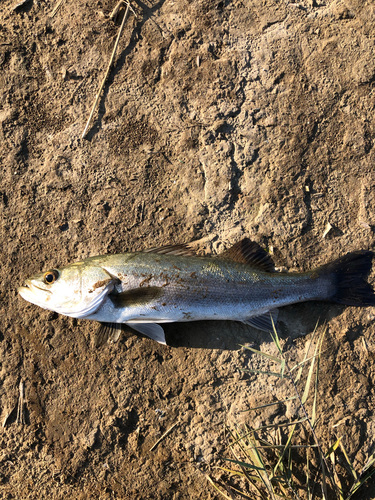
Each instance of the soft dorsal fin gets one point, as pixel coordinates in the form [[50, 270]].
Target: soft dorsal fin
[[183, 249], [249, 252]]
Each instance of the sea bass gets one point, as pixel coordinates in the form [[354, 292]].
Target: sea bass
[[168, 284]]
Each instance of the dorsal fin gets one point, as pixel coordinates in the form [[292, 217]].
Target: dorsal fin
[[183, 249], [249, 252]]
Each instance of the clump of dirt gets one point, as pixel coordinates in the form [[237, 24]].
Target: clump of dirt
[[219, 120]]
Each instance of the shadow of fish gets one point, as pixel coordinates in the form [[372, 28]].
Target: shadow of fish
[[168, 284]]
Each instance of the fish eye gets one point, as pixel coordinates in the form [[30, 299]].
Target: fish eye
[[51, 276]]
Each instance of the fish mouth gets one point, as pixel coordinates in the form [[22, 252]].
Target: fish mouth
[[30, 291]]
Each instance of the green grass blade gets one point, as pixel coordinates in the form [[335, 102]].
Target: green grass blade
[[356, 486], [241, 493], [364, 476], [285, 449], [369, 463], [233, 472], [313, 411], [244, 464], [282, 369], [309, 493], [351, 468], [333, 448], [217, 488], [290, 464], [307, 354], [275, 338], [324, 482], [251, 479], [302, 363], [309, 377], [262, 372], [270, 404], [264, 354], [283, 424], [281, 446]]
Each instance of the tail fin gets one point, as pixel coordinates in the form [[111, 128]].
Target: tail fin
[[349, 273]]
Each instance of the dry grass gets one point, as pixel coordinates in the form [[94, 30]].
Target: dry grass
[[287, 460]]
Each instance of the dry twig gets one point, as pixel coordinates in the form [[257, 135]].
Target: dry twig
[[128, 8], [116, 9], [163, 436], [57, 7], [21, 400]]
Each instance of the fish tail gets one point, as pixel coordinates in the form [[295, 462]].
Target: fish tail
[[348, 275]]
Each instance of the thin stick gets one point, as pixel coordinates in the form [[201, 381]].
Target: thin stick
[[20, 417], [128, 8], [163, 436], [116, 9], [142, 210], [57, 7], [7, 416], [216, 488]]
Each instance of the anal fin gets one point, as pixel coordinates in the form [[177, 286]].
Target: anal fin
[[263, 322], [107, 332]]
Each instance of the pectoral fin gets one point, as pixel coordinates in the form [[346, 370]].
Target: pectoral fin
[[264, 321], [152, 330], [107, 332], [110, 332]]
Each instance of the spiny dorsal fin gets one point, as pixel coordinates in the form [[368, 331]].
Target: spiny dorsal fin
[[183, 249], [136, 296], [249, 252]]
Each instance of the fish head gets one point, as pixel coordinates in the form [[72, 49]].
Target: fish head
[[77, 290]]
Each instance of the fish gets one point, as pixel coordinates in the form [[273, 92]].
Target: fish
[[172, 284]]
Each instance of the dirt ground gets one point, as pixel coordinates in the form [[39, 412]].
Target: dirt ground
[[221, 119]]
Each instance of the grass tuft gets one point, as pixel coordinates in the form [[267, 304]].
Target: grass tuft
[[287, 460]]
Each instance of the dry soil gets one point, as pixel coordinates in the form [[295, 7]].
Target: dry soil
[[220, 119]]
